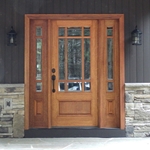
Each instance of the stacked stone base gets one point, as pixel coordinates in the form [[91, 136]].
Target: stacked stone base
[[137, 103], [11, 110], [137, 110]]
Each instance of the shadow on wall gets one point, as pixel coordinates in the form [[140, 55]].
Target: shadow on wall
[[1, 69]]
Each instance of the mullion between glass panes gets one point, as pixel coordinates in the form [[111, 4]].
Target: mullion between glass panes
[[82, 61]]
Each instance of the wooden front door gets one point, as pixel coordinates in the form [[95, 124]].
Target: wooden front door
[[74, 101], [74, 72]]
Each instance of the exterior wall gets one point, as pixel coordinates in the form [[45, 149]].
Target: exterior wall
[[137, 106], [11, 110]]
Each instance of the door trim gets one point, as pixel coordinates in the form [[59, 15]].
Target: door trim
[[119, 17]]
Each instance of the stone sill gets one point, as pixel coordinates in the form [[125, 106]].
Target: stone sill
[[11, 85], [6, 116], [12, 93], [137, 84], [6, 134], [5, 126]]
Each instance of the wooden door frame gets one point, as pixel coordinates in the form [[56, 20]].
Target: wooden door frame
[[119, 17]]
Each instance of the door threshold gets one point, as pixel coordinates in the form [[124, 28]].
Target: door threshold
[[56, 132]]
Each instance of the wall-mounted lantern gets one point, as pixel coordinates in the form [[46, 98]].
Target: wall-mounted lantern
[[12, 37], [136, 36]]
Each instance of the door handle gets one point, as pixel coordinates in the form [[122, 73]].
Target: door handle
[[53, 84]]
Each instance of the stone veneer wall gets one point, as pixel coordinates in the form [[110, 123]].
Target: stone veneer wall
[[137, 107], [11, 110]]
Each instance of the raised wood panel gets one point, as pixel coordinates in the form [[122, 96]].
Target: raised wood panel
[[74, 107], [110, 104], [38, 105]]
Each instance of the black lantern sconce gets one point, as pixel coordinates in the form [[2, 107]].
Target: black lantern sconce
[[12, 37], [136, 36]]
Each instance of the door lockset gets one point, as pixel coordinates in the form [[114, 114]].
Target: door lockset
[[53, 80]]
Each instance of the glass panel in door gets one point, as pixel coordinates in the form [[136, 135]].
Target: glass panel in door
[[74, 59]]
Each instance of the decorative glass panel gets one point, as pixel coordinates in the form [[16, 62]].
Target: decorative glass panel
[[39, 86], [109, 31], [87, 86], [74, 59], [110, 57], [86, 58], [61, 31], [38, 59], [61, 86], [61, 59], [110, 86], [74, 31], [75, 86], [86, 31], [38, 31]]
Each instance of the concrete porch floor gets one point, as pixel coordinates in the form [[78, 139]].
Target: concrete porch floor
[[74, 143]]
